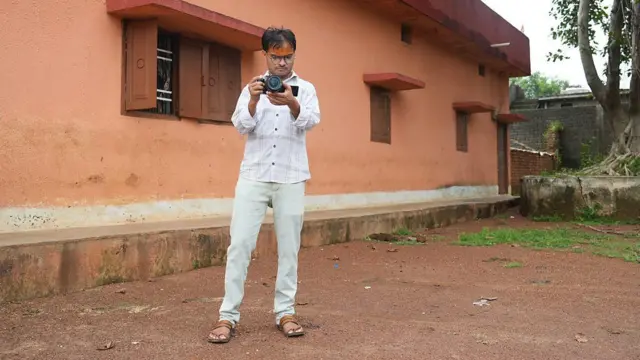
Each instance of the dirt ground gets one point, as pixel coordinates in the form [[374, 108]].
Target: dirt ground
[[415, 303]]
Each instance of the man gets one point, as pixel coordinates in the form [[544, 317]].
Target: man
[[273, 173]]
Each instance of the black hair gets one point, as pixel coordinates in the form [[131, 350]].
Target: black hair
[[274, 37]]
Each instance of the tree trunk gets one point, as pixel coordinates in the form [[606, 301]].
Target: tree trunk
[[634, 86], [634, 136], [586, 55], [625, 123], [619, 119]]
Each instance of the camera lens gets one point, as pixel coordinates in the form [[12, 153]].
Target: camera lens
[[274, 83]]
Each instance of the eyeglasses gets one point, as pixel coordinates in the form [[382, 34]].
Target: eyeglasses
[[277, 59]]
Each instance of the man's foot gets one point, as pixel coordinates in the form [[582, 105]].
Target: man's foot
[[290, 326], [222, 332]]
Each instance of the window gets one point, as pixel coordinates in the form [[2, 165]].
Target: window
[[406, 33], [462, 121], [169, 75], [165, 75], [380, 115]]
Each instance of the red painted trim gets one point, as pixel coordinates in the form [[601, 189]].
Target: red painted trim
[[472, 107], [393, 81], [123, 8], [475, 21], [510, 118]]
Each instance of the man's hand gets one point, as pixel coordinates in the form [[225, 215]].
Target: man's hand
[[255, 88], [285, 98]]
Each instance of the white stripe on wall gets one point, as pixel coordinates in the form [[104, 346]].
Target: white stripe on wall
[[35, 218]]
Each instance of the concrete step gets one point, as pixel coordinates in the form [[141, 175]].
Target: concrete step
[[48, 262]]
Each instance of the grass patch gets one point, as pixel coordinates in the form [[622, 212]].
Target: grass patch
[[407, 243], [547, 218], [626, 250], [592, 215], [607, 221], [513, 265], [557, 239], [587, 216], [435, 238], [403, 232]]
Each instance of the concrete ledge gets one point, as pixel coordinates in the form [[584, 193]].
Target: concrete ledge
[[617, 197], [55, 262], [15, 219]]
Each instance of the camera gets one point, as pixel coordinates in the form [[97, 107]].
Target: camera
[[274, 84]]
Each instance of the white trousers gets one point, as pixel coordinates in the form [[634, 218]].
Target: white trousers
[[249, 208]]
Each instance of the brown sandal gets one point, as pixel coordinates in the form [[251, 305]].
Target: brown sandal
[[220, 324], [290, 319]]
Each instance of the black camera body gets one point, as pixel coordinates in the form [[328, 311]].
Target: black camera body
[[274, 84]]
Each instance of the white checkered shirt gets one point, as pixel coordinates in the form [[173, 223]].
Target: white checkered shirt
[[276, 147]]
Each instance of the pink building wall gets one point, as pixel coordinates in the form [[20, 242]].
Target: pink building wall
[[65, 145]]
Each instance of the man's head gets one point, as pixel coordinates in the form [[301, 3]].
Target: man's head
[[279, 48]]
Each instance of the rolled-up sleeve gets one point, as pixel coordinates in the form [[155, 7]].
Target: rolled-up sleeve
[[309, 109], [241, 118]]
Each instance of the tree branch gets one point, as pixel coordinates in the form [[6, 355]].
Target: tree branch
[[628, 14], [634, 88], [586, 54], [616, 22]]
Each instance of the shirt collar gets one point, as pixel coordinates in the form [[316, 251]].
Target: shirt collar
[[293, 75]]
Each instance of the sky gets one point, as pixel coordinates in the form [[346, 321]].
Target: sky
[[534, 16]]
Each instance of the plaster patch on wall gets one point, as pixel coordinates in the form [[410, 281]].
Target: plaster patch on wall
[[21, 219]]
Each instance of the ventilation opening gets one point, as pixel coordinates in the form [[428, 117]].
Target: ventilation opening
[[406, 33], [481, 70]]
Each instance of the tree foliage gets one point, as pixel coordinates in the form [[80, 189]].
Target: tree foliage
[[577, 23], [538, 85], [565, 13]]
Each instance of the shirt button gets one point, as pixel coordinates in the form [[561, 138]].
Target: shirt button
[[276, 129], [274, 146], [273, 163], [277, 114]]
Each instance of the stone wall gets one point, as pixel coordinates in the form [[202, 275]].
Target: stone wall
[[582, 125], [612, 196], [525, 162]]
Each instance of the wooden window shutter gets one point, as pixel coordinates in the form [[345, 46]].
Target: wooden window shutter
[[224, 82], [380, 115], [141, 65], [462, 122], [230, 80], [214, 109], [192, 77]]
